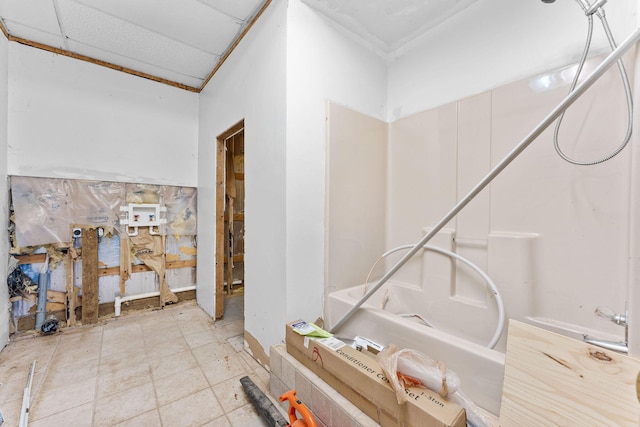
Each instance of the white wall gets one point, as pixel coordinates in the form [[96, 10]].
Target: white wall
[[492, 43], [356, 196], [74, 119], [322, 64], [279, 80], [250, 86], [4, 209]]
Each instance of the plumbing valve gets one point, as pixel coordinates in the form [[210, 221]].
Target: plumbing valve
[[608, 313]]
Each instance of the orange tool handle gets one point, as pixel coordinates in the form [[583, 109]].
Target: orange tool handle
[[296, 405]]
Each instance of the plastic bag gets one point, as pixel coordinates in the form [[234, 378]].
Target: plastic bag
[[409, 367], [414, 368]]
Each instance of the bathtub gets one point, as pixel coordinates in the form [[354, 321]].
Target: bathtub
[[481, 369]]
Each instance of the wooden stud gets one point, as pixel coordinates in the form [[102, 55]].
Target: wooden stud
[[229, 248], [89, 275], [141, 268], [70, 311], [56, 296], [27, 323], [220, 229], [220, 195], [31, 259], [124, 269]]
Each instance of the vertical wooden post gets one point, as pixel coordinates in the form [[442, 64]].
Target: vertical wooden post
[[89, 275], [71, 292], [220, 236]]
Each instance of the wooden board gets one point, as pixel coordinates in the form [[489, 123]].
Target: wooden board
[[554, 380], [141, 268], [70, 311], [89, 275], [27, 323]]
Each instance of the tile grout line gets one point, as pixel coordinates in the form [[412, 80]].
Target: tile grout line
[[153, 384], [224, 413], [39, 386], [95, 391]]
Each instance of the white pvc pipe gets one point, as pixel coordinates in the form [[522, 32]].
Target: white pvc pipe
[[119, 300], [492, 286]]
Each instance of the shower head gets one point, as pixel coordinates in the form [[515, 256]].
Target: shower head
[[548, 1]]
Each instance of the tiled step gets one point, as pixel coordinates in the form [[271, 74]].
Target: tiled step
[[329, 407]]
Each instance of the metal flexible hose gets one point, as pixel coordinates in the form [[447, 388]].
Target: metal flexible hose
[[627, 89]]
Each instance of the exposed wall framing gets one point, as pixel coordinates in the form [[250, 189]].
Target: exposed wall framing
[[85, 279], [221, 232]]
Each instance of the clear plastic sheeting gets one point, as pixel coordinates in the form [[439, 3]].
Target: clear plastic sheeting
[[96, 202], [42, 210], [143, 193], [181, 210], [411, 367], [45, 208]]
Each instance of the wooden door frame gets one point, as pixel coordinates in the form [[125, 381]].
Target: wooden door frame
[[220, 195]]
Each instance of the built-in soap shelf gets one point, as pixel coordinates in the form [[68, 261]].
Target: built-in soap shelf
[[142, 215]]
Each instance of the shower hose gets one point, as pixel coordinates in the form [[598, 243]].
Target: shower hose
[[625, 80], [494, 289]]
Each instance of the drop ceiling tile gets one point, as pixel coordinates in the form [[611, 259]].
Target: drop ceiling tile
[[134, 64], [187, 21], [39, 14], [94, 28], [240, 9], [389, 24], [33, 34]]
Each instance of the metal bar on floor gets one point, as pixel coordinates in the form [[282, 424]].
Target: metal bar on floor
[[26, 397]]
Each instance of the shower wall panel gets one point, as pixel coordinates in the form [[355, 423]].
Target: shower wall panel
[[554, 236]]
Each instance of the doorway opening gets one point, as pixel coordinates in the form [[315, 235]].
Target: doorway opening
[[230, 218]]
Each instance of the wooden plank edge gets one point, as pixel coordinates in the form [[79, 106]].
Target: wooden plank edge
[[235, 44], [3, 29], [26, 323], [31, 259], [100, 62], [141, 268], [110, 271]]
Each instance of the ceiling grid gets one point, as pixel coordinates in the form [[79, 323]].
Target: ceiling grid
[[176, 43], [184, 43]]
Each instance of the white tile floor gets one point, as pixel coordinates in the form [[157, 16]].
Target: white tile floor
[[170, 367]]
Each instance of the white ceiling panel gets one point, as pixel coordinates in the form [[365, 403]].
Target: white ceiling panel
[[239, 9], [135, 64], [389, 24], [95, 28], [187, 21], [31, 33], [37, 14], [183, 40]]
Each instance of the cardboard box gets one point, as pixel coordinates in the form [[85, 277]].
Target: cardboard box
[[360, 379]]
